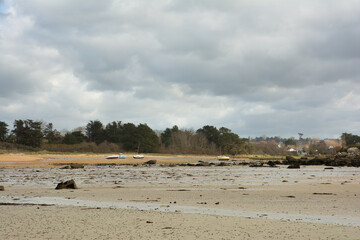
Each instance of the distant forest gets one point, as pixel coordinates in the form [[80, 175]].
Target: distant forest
[[117, 136]]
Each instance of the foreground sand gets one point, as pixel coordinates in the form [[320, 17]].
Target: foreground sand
[[125, 202], [32, 222]]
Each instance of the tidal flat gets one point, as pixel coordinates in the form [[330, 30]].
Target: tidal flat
[[180, 202]]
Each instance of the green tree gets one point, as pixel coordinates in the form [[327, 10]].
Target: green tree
[[74, 137], [166, 135], [95, 131], [129, 137], [52, 135], [350, 139], [290, 142], [211, 133], [28, 132], [113, 132], [3, 131], [231, 143], [148, 141]]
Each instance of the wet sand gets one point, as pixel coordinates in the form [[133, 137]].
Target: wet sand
[[154, 202]]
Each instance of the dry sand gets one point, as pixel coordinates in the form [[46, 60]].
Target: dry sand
[[126, 202]]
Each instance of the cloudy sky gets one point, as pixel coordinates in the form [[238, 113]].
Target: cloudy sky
[[258, 67]]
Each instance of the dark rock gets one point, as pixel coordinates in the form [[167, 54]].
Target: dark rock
[[291, 160], [76, 165], [150, 162], [2, 188], [223, 164], [328, 168], [65, 167], [205, 164], [271, 164], [68, 184], [293, 166]]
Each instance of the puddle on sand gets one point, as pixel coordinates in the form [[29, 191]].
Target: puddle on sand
[[59, 201]]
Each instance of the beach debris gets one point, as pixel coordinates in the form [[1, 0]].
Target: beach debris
[[150, 162], [328, 168], [149, 222], [290, 196], [168, 228], [217, 203], [2, 188], [66, 185], [323, 193]]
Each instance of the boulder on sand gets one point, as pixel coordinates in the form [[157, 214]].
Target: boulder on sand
[[150, 162], [2, 188], [295, 165], [68, 184]]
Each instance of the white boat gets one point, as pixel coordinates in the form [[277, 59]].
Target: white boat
[[138, 156], [116, 156], [223, 158]]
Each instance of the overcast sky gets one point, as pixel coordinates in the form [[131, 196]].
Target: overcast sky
[[258, 67]]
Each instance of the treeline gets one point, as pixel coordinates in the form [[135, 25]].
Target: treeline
[[118, 136]]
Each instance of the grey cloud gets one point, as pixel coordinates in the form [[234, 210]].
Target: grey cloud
[[288, 59]]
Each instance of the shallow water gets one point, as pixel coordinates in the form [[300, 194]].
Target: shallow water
[[60, 201]]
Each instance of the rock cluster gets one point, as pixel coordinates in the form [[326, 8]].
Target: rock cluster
[[351, 158]]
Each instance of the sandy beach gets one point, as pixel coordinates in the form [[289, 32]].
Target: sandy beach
[[182, 202]]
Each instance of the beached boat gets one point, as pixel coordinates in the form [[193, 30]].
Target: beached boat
[[138, 156], [223, 158], [119, 156]]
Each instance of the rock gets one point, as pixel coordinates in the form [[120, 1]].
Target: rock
[[290, 158], [203, 164], [223, 164], [2, 188], [271, 163], [256, 164], [65, 167], [68, 184], [295, 165], [353, 150], [328, 168], [76, 165], [150, 162], [342, 154]]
